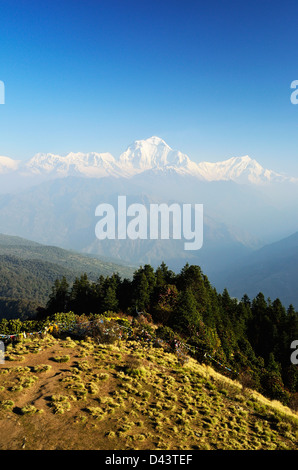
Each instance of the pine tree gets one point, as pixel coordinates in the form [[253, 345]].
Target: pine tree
[[143, 287], [185, 317], [59, 298], [110, 301], [80, 295], [142, 293], [191, 277]]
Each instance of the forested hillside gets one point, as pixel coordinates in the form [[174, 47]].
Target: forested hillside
[[28, 279], [28, 271], [70, 260], [250, 338]]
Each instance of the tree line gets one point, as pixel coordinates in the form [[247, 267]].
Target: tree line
[[252, 337]]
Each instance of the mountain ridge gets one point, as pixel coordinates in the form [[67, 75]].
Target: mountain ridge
[[140, 156], [272, 270], [29, 269]]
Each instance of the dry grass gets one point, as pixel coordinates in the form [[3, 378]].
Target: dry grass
[[129, 396]]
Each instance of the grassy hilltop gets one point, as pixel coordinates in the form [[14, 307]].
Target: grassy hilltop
[[66, 393]]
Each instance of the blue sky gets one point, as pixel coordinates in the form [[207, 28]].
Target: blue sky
[[212, 78]]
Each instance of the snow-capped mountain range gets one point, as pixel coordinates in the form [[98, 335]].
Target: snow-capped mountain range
[[51, 199], [152, 154]]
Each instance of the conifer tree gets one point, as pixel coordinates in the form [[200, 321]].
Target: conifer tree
[[110, 301], [59, 297], [185, 317], [80, 295]]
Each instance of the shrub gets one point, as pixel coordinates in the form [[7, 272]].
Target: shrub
[[273, 387], [26, 382], [134, 366], [83, 365], [65, 321], [96, 412], [41, 368], [60, 404], [29, 410], [104, 331], [103, 376], [61, 358], [7, 405], [166, 333], [92, 388]]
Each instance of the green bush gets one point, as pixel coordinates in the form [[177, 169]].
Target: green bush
[[61, 358]]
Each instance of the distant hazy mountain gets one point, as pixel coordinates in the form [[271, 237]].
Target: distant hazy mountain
[[237, 191], [62, 213], [52, 200], [273, 270]]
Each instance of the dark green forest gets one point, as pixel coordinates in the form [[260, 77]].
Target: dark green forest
[[251, 338], [28, 271]]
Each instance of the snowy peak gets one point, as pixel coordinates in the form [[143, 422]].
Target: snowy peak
[[238, 169], [152, 154], [155, 154], [154, 140], [89, 164]]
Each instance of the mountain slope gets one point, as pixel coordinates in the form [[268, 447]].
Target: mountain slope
[[71, 260], [28, 271], [128, 398], [27, 279], [272, 270]]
